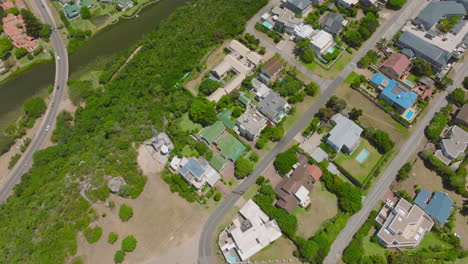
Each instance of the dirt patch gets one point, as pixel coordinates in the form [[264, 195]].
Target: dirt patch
[[161, 223]]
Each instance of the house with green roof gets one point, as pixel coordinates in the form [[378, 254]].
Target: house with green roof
[[211, 133], [87, 3], [225, 117], [230, 147], [124, 4], [71, 11]]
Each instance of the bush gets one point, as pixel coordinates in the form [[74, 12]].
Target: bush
[[371, 57], [92, 235], [35, 107], [5, 143], [273, 133], [237, 111], [129, 244], [14, 159], [379, 139], [125, 212], [312, 89], [437, 124], [217, 196], [208, 86], [119, 256], [395, 4], [112, 238], [243, 167], [403, 173], [261, 142], [20, 53], [284, 161], [85, 13]]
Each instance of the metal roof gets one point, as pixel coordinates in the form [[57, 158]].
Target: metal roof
[[399, 94], [423, 48], [434, 11], [439, 206]]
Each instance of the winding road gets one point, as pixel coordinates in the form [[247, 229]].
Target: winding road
[[387, 30], [48, 121]]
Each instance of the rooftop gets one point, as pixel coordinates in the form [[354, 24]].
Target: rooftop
[[456, 142], [211, 133], [252, 121], [272, 66], [344, 133], [333, 23], [301, 4], [463, 113], [399, 94], [420, 46], [321, 39], [272, 105], [397, 62], [439, 206], [436, 10]]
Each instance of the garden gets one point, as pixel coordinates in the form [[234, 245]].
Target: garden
[[359, 164]]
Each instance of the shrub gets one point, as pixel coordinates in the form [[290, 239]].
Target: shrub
[[437, 124], [14, 159], [125, 212], [284, 161], [112, 238], [35, 107], [243, 167], [217, 196], [92, 235], [119, 256], [20, 53], [129, 244], [379, 139], [403, 173], [5, 143], [208, 86]]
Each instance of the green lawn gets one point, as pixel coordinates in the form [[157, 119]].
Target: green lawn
[[372, 248], [412, 78], [351, 77], [187, 151], [282, 248], [187, 124], [431, 239], [359, 171], [339, 65]]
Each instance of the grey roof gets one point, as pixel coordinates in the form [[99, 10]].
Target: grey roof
[[408, 53], [272, 105], [457, 27], [345, 133], [333, 23], [439, 206], [457, 142], [428, 82], [319, 155], [195, 167], [301, 4], [434, 11], [423, 48]]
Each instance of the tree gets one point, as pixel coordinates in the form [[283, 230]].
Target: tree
[[217, 196], [14, 11], [46, 31], [203, 111], [458, 96], [33, 24], [243, 167], [353, 38], [312, 89], [237, 111], [85, 13], [5, 47], [379, 139], [302, 45], [112, 238], [5, 143], [284, 161], [129, 243], [35, 107], [404, 171], [336, 103], [308, 56], [325, 113], [119, 256], [355, 113], [421, 67], [20, 53], [208, 86], [395, 4], [465, 83], [92, 235], [370, 57], [125, 212]]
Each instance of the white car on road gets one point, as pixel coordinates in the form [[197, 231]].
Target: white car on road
[[47, 128]]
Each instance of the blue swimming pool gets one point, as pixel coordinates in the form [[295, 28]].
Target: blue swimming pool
[[231, 258], [409, 114], [331, 50], [267, 25], [362, 156], [410, 84]]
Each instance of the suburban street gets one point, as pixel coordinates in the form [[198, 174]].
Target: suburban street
[[380, 187], [387, 30], [48, 121]]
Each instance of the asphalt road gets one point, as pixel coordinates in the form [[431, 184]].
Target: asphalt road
[[61, 76], [381, 186], [390, 28]]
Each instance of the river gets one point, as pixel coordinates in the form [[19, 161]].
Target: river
[[108, 42]]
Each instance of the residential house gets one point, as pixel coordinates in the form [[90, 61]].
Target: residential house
[[251, 123], [274, 107], [403, 224], [251, 230], [14, 28], [425, 50], [285, 20], [374, 3], [303, 31], [462, 116], [333, 23], [293, 191], [436, 10], [438, 204], [322, 42], [270, 70], [197, 172], [347, 3], [395, 65], [454, 144], [345, 135], [424, 88], [261, 90], [124, 4], [298, 6], [394, 93], [71, 11], [162, 143], [7, 5]]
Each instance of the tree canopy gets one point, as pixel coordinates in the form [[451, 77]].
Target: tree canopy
[[284, 161], [35, 107], [203, 111], [421, 67]]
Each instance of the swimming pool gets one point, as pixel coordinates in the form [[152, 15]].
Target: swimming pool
[[362, 156], [331, 50], [410, 84], [409, 114], [231, 258], [267, 25]]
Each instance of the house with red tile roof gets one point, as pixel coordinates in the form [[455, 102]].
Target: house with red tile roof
[[395, 65], [7, 5], [14, 28]]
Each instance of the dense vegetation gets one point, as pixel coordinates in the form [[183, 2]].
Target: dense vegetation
[[354, 36], [34, 26], [437, 124], [421, 67], [39, 222], [285, 161], [371, 57], [125, 212], [5, 47], [93, 234], [379, 139], [403, 172], [349, 196], [458, 97], [208, 86]]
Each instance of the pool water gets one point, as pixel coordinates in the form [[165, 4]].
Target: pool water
[[231, 258], [267, 25], [410, 84], [362, 156], [409, 114], [331, 50]]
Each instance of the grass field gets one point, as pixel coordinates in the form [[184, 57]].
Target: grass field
[[339, 65], [282, 248], [351, 77], [323, 206], [187, 124], [230, 146], [372, 248], [359, 171]]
